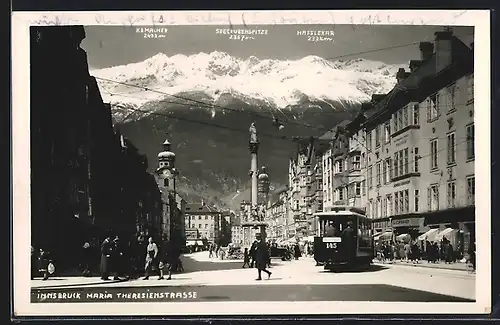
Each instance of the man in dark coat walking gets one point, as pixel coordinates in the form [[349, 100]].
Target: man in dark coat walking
[[253, 250], [261, 258]]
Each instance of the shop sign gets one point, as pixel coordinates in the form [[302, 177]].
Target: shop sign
[[401, 141], [409, 222], [381, 224], [405, 182]]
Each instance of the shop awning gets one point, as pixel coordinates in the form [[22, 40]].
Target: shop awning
[[383, 236], [194, 242], [445, 233], [430, 235], [290, 241], [403, 237]]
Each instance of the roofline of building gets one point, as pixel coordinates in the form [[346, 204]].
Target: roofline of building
[[427, 87]]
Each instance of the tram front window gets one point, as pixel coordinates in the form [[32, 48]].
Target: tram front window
[[331, 229], [334, 228]]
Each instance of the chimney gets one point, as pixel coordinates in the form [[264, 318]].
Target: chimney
[[443, 42], [376, 98], [426, 50], [414, 65], [401, 75]]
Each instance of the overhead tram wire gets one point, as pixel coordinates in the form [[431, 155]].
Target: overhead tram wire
[[253, 113], [212, 106], [410, 161], [196, 122], [203, 104]]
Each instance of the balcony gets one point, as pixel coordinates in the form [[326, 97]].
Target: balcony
[[405, 176]]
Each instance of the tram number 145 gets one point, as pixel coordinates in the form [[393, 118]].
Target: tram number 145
[[331, 245]]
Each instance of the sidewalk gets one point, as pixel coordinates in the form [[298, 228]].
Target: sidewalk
[[301, 272], [424, 264]]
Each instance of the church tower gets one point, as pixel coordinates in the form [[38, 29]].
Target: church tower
[[166, 169], [165, 176]]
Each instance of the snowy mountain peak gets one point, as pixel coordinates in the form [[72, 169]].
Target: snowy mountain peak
[[278, 82]]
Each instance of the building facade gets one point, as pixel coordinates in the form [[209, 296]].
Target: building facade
[[420, 146], [87, 181], [277, 214], [205, 219], [305, 186], [236, 231]]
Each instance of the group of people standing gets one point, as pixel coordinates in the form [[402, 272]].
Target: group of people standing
[[162, 259], [40, 264], [433, 252]]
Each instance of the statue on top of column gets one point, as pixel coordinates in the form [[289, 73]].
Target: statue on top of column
[[253, 133]]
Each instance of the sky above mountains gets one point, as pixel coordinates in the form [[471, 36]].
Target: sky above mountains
[[108, 46]]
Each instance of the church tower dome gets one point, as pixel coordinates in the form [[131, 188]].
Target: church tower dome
[[166, 158]]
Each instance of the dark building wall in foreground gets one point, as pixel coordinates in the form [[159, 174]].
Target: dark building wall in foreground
[[84, 181]]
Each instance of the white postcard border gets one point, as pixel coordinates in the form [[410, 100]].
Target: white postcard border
[[21, 21]]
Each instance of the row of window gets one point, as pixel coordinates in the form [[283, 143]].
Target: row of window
[[200, 217], [202, 226], [400, 165], [410, 114], [399, 202], [451, 145]]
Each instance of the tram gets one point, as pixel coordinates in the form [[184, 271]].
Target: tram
[[336, 247]]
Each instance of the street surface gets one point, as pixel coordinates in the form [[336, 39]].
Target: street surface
[[297, 280]]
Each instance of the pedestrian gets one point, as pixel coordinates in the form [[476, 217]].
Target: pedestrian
[[33, 263], [210, 251], [170, 259], [246, 258], [415, 252], [151, 258], [118, 259], [472, 255], [261, 257], [86, 259], [43, 264], [269, 256], [296, 251], [106, 251], [253, 249], [407, 250], [449, 252]]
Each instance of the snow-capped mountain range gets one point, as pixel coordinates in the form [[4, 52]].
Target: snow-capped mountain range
[[278, 83], [311, 93]]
